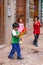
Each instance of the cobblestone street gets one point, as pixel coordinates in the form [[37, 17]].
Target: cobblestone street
[[32, 55], [28, 14]]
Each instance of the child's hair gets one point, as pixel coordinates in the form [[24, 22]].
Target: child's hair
[[19, 20], [37, 17], [14, 25]]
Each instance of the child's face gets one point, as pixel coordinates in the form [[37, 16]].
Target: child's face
[[21, 20], [35, 19], [16, 28]]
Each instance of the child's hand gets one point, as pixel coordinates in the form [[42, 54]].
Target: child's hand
[[20, 34]]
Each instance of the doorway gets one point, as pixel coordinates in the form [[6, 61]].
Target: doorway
[[35, 8], [21, 10]]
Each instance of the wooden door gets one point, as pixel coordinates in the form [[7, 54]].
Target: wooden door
[[35, 8], [31, 8], [1, 21], [21, 9]]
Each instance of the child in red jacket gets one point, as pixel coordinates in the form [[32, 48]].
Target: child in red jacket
[[36, 27]]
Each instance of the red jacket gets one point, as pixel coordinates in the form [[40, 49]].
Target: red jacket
[[37, 28]]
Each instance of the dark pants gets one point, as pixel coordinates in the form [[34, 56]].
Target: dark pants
[[15, 48], [36, 36]]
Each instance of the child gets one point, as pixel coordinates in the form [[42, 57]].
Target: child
[[21, 27], [36, 26], [15, 42]]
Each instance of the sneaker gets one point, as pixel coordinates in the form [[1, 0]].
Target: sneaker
[[10, 57], [21, 58], [36, 45], [20, 42]]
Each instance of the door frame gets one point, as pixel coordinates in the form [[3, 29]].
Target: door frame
[[2, 24]]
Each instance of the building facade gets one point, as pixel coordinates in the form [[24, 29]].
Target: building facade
[[11, 10], [7, 17]]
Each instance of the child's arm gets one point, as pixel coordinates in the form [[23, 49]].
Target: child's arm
[[16, 35]]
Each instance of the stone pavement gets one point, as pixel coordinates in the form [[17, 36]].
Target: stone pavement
[[32, 55]]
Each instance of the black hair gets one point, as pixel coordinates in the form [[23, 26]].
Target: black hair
[[37, 17], [14, 25], [19, 20]]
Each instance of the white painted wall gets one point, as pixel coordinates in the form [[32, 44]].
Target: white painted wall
[[27, 10], [8, 20], [39, 9], [29, 21]]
